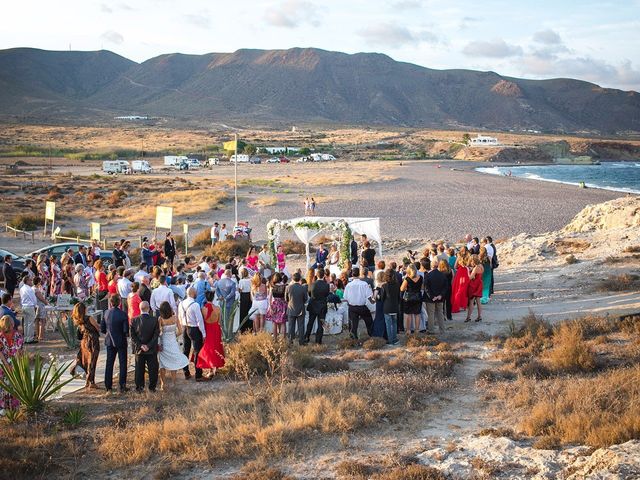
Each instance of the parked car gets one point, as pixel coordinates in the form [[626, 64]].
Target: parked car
[[211, 161], [284, 160], [302, 160], [193, 163], [17, 262], [273, 160], [255, 160], [58, 249]]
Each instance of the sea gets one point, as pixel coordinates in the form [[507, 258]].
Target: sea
[[616, 176]]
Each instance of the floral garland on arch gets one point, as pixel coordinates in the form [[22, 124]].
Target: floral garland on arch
[[273, 233]]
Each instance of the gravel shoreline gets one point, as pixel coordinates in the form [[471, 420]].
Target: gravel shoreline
[[427, 202]]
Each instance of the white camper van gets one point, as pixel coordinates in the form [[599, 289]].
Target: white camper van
[[242, 158], [174, 160], [113, 167], [140, 166]]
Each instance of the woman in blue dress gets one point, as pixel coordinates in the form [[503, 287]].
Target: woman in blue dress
[[486, 276]]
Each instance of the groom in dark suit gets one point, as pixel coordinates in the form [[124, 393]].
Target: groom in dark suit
[[115, 326], [317, 306], [145, 331]]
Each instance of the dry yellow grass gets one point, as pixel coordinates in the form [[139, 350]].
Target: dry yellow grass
[[268, 201], [185, 203]]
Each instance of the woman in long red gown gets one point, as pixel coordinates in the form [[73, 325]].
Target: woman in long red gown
[[475, 287], [460, 286], [212, 354]]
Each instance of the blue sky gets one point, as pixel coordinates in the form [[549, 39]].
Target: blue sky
[[592, 40]]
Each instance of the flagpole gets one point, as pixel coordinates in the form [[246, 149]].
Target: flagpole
[[235, 182]]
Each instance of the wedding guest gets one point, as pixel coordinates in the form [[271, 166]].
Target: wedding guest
[[133, 302], [89, 345], [170, 249], [321, 257], [145, 331], [443, 266], [357, 293], [296, 296], [170, 358], [115, 326], [436, 285], [460, 287], [102, 285], [226, 293], [7, 309], [475, 288], [277, 312], [29, 303], [211, 356], [390, 296], [378, 319], [11, 342], [10, 275], [244, 287], [318, 293], [160, 294], [264, 262], [41, 312], [260, 301], [411, 289], [194, 333]]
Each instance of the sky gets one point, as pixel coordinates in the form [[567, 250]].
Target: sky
[[593, 40]]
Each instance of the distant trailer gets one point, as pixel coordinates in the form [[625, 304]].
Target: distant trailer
[[484, 141]]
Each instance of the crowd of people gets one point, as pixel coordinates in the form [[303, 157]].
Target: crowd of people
[[146, 309]]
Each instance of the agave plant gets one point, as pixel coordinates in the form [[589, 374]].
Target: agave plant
[[33, 384], [74, 416], [227, 319], [68, 331]]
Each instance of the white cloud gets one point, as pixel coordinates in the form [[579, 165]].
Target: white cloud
[[547, 37], [395, 36], [292, 13], [112, 36], [491, 49], [403, 5], [200, 20]]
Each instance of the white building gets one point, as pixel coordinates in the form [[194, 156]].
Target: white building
[[276, 150], [484, 141]]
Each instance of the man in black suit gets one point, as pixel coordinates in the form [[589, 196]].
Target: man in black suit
[[170, 248], [317, 306], [436, 287], [80, 258], [118, 256], [145, 331], [145, 292], [10, 276], [115, 325], [353, 248]]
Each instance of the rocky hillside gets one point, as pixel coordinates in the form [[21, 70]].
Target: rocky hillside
[[301, 85]]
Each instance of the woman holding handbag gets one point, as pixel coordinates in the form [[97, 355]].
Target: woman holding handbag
[[411, 289]]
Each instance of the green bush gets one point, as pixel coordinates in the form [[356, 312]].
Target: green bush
[[33, 384], [27, 222]]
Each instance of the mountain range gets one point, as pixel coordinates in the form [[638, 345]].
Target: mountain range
[[299, 85]]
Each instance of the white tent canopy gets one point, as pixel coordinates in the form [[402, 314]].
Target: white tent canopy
[[368, 226]]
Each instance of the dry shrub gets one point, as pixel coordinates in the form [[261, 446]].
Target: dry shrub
[[349, 343], [619, 283], [489, 375], [597, 411], [373, 355], [94, 196], [54, 194], [228, 249], [547, 442], [202, 239], [114, 198], [352, 469], [27, 222], [260, 470], [255, 355], [630, 324], [487, 467], [415, 341], [411, 472], [535, 369], [571, 259], [632, 249], [264, 202], [374, 343], [499, 432], [293, 247], [594, 325], [441, 365], [570, 353], [528, 340]]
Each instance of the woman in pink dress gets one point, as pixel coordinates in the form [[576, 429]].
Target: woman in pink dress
[[252, 260], [211, 355], [475, 287], [55, 278], [277, 312], [282, 261], [460, 287]]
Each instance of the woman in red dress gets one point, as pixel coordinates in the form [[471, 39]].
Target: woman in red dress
[[212, 354], [460, 286], [475, 287]]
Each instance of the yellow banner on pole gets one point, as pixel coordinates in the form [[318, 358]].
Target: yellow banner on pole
[[230, 145], [50, 211], [96, 233], [164, 217]]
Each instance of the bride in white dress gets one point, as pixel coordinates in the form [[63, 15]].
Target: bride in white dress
[[170, 357], [334, 260]]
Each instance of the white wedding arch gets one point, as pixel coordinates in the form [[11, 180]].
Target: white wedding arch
[[308, 228]]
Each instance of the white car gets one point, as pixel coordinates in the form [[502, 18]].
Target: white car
[[302, 160], [273, 160], [193, 163]]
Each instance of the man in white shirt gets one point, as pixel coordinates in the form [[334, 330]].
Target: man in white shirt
[[357, 293], [264, 260], [215, 233], [29, 302], [204, 266], [224, 233], [141, 273], [124, 287], [162, 294], [469, 239], [190, 316]]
